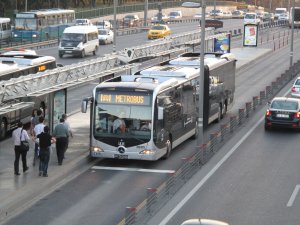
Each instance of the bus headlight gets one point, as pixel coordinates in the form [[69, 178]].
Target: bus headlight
[[34, 35], [147, 152], [96, 149], [15, 35]]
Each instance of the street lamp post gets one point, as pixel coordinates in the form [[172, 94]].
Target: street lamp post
[[201, 77], [292, 34], [115, 25]]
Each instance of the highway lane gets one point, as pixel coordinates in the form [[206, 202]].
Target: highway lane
[[255, 185]]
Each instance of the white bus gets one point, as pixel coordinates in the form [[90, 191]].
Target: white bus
[[14, 64], [5, 30], [145, 116]]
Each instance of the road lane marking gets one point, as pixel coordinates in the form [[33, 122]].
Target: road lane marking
[[293, 196], [132, 169]]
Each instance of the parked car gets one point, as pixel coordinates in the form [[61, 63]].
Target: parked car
[[105, 36], [251, 18], [131, 20], [295, 91], [158, 31], [104, 24], [175, 14], [283, 112]]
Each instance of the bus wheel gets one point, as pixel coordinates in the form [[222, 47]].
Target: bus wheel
[[169, 149], [60, 55], [3, 129], [196, 131], [224, 110], [82, 54], [219, 114]]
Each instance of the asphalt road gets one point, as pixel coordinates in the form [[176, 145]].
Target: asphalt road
[[100, 196]]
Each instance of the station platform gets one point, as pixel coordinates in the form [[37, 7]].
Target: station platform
[[20, 192]]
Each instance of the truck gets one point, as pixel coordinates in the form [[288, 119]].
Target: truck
[[296, 17]]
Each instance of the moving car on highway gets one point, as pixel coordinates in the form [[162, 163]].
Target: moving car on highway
[[283, 112], [164, 17], [175, 14], [105, 36], [159, 31], [295, 91], [251, 18], [131, 20]]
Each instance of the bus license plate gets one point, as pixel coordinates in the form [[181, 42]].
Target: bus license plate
[[117, 156]]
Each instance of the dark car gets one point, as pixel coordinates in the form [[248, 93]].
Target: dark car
[[283, 112], [131, 21]]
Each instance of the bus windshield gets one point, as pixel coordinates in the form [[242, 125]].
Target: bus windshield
[[25, 24], [122, 115]]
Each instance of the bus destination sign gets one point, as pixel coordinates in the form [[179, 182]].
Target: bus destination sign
[[123, 99]]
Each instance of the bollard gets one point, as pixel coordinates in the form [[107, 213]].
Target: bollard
[[268, 91], [223, 131], [255, 102], [185, 168], [232, 123], [248, 109], [262, 96], [279, 81], [202, 159], [212, 142], [274, 85], [170, 184], [130, 216], [151, 199], [241, 115]]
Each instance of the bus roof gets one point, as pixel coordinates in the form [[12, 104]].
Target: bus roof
[[171, 71], [44, 12], [7, 68], [23, 61], [4, 20], [210, 59]]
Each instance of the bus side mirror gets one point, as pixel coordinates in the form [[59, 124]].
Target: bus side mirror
[[84, 104], [160, 113]]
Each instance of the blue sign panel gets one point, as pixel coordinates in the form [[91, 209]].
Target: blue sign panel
[[222, 43]]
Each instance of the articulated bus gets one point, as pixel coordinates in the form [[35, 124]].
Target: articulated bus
[[12, 65], [144, 116], [38, 25], [5, 30]]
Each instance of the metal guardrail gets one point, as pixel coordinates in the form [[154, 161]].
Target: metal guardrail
[[157, 197]]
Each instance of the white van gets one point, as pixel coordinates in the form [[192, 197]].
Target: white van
[[80, 22], [78, 41], [5, 29]]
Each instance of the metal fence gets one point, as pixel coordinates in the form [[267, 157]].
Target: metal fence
[[156, 198]]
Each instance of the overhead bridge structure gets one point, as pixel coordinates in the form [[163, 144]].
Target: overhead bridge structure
[[101, 68]]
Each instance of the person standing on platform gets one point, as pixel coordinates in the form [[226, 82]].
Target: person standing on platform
[[45, 141], [67, 125], [39, 128], [19, 135], [61, 134]]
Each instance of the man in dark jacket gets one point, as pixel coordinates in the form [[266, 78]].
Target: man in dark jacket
[[45, 141], [61, 134]]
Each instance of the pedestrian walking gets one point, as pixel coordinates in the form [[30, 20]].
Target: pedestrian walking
[[67, 125], [45, 141], [39, 128], [19, 135], [61, 134]]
